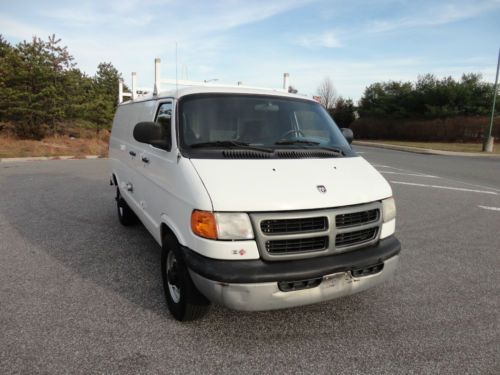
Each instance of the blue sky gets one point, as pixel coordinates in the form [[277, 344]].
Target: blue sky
[[355, 43]]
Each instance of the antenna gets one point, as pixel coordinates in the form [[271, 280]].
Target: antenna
[[120, 91], [134, 85], [286, 76], [157, 76]]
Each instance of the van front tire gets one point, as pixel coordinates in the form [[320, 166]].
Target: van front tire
[[184, 300]]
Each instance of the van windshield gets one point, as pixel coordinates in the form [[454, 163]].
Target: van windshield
[[262, 123]]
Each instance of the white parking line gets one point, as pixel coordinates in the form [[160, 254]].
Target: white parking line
[[403, 171], [409, 174], [388, 166], [445, 187], [490, 208], [420, 174]]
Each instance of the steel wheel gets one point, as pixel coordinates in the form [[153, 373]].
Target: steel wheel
[[173, 277]]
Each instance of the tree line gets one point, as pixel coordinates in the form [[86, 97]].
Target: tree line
[[42, 90], [428, 109], [429, 97]]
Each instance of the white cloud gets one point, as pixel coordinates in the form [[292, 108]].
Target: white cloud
[[124, 6], [226, 15], [327, 39], [72, 16], [87, 17], [20, 30], [183, 18], [440, 14]]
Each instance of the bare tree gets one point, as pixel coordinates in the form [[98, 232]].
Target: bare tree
[[327, 93]]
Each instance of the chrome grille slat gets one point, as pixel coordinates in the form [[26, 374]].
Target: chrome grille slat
[[302, 225], [297, 245], [357, 237], [356, 218]]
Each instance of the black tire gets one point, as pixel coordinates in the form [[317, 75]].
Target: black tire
[[125, 214], [188, 304]]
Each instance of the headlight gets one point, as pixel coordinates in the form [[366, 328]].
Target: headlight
[[388, 209], [233, 226], [221, 225]]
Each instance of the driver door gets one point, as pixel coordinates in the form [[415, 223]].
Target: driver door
[[157, 161]]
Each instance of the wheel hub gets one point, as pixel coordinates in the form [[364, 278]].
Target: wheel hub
[[173, 277]]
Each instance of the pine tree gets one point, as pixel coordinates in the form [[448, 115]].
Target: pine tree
[[32, 91]]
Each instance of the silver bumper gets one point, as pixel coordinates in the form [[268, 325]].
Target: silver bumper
[[267, 296]]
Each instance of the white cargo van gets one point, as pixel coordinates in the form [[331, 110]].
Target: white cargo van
[[255, 196]]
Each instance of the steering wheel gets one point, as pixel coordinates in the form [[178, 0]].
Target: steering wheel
[[293, 131]]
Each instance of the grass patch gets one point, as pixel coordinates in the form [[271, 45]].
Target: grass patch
[[443, 146], [11, 147]]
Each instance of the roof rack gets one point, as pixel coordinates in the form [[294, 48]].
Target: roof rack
[[137, 92]]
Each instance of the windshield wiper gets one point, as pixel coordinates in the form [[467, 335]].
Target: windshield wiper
[[333, 149], [305, 142], [231, 144], [296, 142]]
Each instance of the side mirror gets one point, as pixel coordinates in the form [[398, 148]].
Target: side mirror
[[145, 132], [348, 134]]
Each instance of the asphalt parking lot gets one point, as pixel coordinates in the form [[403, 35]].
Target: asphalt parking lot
[[79, 293]]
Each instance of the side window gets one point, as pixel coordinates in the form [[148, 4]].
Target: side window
[[164, 123]]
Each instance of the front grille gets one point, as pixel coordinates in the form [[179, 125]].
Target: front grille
[[356, 218], [302, 225], [354, 238], [311, 233], [298, 245]]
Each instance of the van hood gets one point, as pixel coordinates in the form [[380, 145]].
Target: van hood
[[290, 184]]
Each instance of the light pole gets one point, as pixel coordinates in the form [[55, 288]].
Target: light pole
[[488, 142]]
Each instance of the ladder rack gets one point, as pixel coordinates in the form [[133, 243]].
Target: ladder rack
[[137, 92]]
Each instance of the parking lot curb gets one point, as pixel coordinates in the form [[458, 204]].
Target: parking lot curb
[[42, 158], [428, 151]]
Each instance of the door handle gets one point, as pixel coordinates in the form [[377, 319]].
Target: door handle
[[145, 159], [132, 153]]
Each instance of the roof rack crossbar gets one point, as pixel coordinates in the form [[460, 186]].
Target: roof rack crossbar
[[137, 92]]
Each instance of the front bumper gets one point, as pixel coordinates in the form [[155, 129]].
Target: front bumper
[[268, 296], [255, 285]]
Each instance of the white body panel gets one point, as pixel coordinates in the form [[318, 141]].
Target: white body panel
[[290, 184]]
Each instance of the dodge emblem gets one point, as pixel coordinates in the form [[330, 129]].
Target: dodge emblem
[[321, 188]]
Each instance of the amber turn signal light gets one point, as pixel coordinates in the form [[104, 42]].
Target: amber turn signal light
[[203, 224]]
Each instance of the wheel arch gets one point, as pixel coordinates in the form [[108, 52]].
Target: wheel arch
[[168, 227]]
